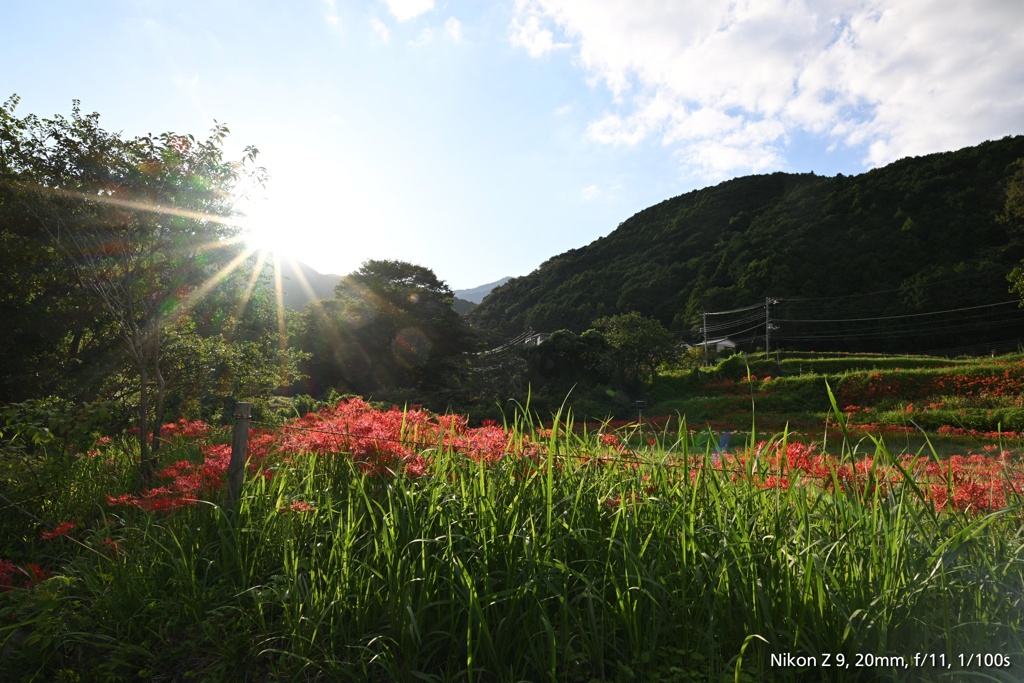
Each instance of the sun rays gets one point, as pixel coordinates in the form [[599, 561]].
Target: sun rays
[[250, 250], [116, 249]]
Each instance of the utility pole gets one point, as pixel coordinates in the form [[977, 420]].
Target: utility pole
[[768, 327], [704, 334]]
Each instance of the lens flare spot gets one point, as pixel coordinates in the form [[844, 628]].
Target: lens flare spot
[[411, 347]]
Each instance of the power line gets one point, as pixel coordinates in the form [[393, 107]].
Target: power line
[[755, 327], [895, 317], [891, 327], [735, 310], [895, 333], [990, 318], [736, 322]]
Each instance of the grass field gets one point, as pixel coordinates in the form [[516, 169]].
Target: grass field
[[374, 545], [980, 399]]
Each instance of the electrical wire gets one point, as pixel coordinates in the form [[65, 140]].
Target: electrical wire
[[735, 310], [893, 317], [911, 326], [900, 326], [778, 334], [734, 323]]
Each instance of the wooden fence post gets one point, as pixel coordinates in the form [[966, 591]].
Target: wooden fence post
[[239, 445]]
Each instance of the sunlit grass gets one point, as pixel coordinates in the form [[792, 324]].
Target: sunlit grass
[[583, 563]]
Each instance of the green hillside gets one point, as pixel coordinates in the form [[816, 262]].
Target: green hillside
[[919, 235]]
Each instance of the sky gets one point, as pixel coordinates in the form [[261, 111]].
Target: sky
[[481, 138]]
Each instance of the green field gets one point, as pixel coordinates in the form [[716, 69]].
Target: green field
[[376, 545], [972, 399]]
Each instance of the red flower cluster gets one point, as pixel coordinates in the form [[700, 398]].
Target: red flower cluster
[[12, 576], [381, 441], [997, 379], [298, 506], [947, 430], [386, 442], [61, 529], [975, 483], [394, 440], [183, 429]]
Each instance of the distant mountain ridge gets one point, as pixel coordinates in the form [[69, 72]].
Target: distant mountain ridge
[[301, 284], [919, 235], [477, 294]]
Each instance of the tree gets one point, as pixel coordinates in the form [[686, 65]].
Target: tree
[[641, 343], [142, 224], [1013, 218], [566, 359], [1013, 207], [52, 330], [391, 324]]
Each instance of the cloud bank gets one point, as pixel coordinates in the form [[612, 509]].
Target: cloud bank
[[727, 85], [408, 9]]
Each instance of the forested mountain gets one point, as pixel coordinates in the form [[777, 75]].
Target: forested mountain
[[301, 284], [920, 235], [462, 306]]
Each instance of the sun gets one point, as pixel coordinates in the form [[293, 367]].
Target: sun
[[261, 233], [330, 228]]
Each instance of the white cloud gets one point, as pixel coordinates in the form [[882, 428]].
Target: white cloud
[[453, 28], [381, 30], [528, 32], [590, 192], [727, 84], [407, 9], [564, 110]]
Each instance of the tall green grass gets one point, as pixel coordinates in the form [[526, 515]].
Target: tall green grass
[[559, 569]]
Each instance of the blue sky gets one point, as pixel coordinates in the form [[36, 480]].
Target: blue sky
[[480, 139]]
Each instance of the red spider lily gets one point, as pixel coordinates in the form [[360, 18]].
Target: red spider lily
[[8, 572], [383, 443], [403, 443], [183, 429], [383, 440], [36, 574], [61, 529], [776, 482], [298, 506], [975, 483], [994, 379], [12, 576], [618, 500], [614, 501]]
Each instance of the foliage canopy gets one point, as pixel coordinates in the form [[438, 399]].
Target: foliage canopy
[[129, 249], [390, 325]]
